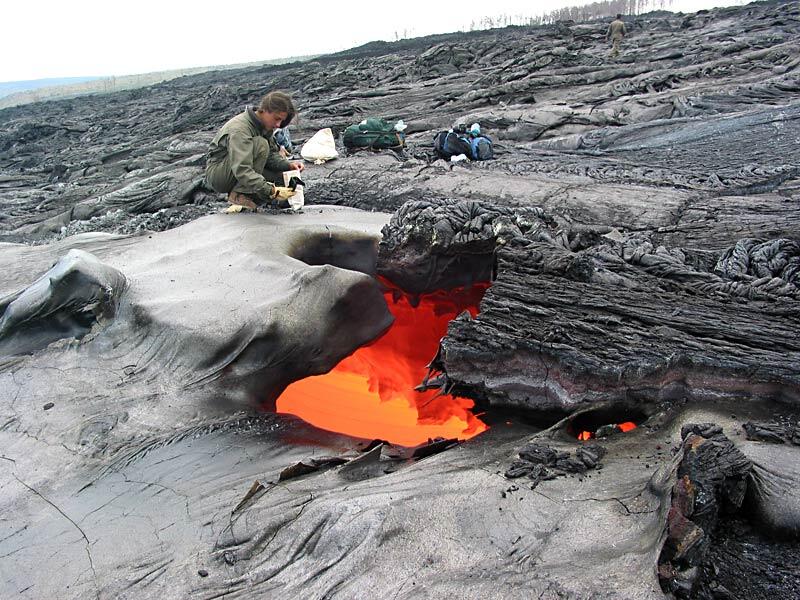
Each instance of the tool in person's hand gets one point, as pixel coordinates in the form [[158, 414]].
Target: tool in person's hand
[[294, 182]]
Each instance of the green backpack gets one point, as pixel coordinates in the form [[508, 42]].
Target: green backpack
[[373, 133]]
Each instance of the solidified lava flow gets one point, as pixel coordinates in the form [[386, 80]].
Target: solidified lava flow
[[370, 394]]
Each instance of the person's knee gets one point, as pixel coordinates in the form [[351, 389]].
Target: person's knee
[[220, 179]]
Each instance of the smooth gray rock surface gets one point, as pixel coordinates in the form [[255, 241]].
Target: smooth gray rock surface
[[639, 226]]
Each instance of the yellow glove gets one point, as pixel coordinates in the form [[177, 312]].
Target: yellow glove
[[282, 193]]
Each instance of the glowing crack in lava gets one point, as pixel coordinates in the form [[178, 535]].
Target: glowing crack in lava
[[370, 394], [626, 426]]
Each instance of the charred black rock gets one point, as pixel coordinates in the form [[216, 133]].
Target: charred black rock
[[541, 463], [775, 433], [430, 245], [712, 478]]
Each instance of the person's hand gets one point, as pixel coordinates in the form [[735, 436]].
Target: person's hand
[[297, 166], [282, 193]]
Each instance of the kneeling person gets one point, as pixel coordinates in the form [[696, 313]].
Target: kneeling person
[[244, 160]]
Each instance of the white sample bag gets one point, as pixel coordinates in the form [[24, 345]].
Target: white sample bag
[[297, 201], [320, 147]]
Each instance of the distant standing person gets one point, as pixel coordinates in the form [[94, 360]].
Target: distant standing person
[[244, 160], [616, 31]]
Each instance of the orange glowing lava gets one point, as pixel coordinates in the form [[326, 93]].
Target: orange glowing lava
[[370, 394], [626, 426]]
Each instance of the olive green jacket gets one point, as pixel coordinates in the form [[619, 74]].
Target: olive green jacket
[[616, 30], [240, 153]]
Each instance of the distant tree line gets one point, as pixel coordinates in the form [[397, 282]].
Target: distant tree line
[[586, 12], [597, 10]]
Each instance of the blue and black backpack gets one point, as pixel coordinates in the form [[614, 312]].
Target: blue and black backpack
[[481, 147], [448, 144]]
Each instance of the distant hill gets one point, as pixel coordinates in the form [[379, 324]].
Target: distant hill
[[16, 93], [14, 87]]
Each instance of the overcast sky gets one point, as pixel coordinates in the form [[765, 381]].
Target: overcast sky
[[46, 38]]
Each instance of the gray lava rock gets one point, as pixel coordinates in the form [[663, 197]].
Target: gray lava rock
[[639, 228]]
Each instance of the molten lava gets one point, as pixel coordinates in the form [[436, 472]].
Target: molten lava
[[370, 394], [626, 426]]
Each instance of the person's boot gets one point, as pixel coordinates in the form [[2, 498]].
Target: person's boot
[[241, 200]]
